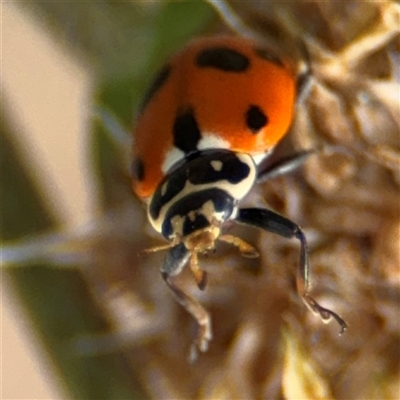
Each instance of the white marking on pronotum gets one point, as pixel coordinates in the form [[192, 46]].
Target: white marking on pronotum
[[217, 165], [237, 190], [164, 189]]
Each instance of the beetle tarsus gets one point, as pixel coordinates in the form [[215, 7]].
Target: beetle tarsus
[[325, 314], [199, 313]]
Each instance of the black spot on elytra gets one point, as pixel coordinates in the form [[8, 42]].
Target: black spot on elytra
[[266, 54], [159, 80], [137, 169], [186, 132], [222, 58], [255, 119]]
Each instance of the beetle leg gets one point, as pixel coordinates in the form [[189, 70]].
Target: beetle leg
[[200, 314], [199, 274], [176, 259], [155, 249], [276, 223], [245, 248], [284, 166], [161, 247]]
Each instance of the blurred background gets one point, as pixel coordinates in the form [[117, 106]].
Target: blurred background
[[89, 318]]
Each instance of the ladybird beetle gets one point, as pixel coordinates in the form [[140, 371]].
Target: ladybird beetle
[[212, 114]]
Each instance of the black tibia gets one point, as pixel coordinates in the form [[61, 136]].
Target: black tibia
[[176, 259], [275, 223]]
